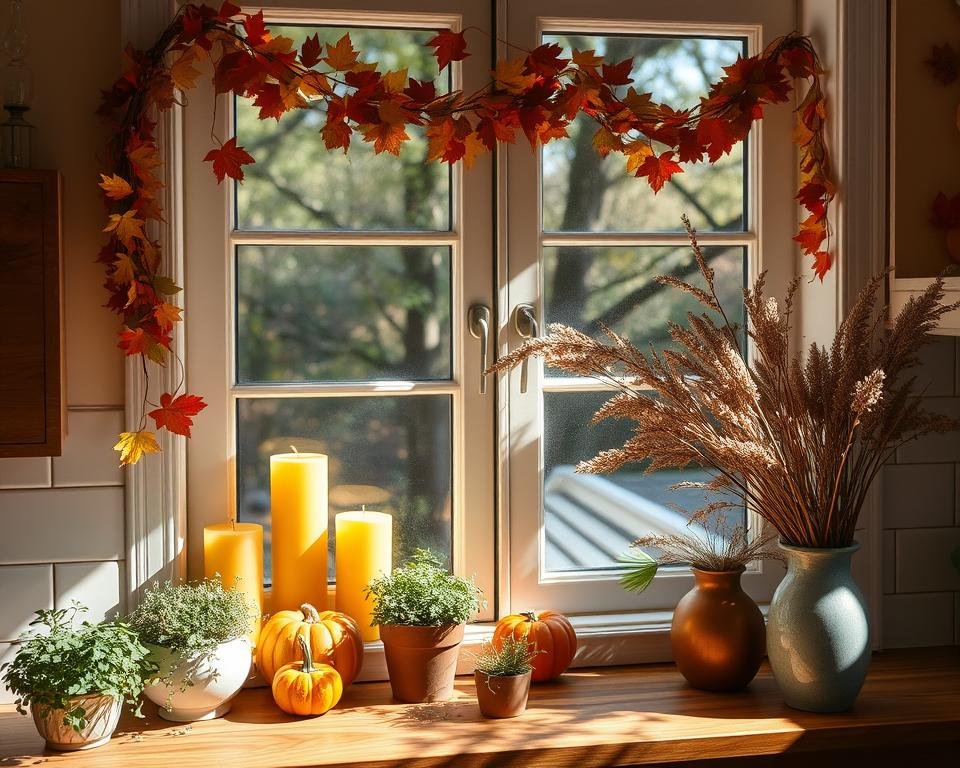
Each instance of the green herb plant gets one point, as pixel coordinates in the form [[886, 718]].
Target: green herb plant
[[58, 660], [514, 657], [423, 593], [190, 620]]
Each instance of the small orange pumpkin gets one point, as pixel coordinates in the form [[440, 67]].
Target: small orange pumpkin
[[334, 639], [302, 688], [550, 633]]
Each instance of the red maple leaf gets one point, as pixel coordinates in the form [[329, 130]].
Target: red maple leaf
[[133, 341], [311, 51], [810, 239], [421, 92], [450, 46], [175, 414], [822, 261], [228, 10], [658, 169], [716, 137], [545, 60], [799, 62], [270, 101], [256, 29], [228, 159], [811, 194], [617, 74]]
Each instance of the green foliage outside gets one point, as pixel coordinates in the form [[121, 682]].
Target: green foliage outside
[[59, 660], [423, 593]]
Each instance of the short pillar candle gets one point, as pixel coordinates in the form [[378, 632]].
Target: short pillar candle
[[298, 530], [364, 551], [234, 552]]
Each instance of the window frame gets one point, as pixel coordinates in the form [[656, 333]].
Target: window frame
[[851, 39]]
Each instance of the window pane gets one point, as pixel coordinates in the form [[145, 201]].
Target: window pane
[[342, 313], [583, 192], [297, 183], [589, 287], [590, 519], [390, 453]]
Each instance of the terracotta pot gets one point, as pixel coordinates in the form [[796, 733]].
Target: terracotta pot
[[717, 634], [103, 713], [502, 696], [421, 661]]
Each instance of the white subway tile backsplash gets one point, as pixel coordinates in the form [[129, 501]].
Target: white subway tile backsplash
[[96, 585], [65, 524], [889, 563], [918, 495], [934, 448], [24, 473], [24, 589], [937, 374], [923, 559], [911, 621], [6, 654], [88, 456]]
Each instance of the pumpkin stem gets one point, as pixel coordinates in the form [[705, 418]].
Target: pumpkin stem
[[531, 615], [307, 656], [310, 615]]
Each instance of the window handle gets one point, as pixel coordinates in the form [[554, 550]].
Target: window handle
[[525, 323], [478, 319]]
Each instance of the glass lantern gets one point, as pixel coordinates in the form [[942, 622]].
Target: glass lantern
[[16, 133]]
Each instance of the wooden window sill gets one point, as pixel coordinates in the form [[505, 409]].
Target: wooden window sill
[[641, 715]]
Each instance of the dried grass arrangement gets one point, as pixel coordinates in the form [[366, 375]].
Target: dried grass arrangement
[[799, 438]]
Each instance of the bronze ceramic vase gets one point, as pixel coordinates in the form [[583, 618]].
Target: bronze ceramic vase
[[421, 661], [717, 634]]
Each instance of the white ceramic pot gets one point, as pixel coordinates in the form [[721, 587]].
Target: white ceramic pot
[[103, 713], [203, 684]]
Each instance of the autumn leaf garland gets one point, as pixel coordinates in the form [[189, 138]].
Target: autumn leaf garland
[[535, 96]]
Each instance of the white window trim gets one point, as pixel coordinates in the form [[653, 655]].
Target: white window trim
[[852, 41]]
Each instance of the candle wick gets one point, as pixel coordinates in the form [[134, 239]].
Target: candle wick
[[363, 507], [294, 449]]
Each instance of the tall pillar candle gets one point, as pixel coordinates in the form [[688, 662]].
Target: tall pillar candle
[[364, 551], [234, 551], [298, 530]]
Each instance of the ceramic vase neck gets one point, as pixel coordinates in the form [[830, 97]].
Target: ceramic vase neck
[[719, 580], [818, 560]]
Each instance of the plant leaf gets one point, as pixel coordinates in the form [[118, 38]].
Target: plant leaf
[[641, 568]]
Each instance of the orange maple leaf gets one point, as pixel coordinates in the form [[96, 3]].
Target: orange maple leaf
[[133, 341], [509, 75], [167, 314], [115, 187], [182, 71], [822, 261], [228, 159], [174, 414], [341, 56]]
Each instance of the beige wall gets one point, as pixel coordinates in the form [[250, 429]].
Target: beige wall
[[61, 520]]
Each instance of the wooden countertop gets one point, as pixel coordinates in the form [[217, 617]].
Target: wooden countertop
[[643, 715]]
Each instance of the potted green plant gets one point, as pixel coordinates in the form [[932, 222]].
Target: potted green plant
[[717, 634], [197, 636], [502, 676], [75, 679], [421, 610], [797, 437]]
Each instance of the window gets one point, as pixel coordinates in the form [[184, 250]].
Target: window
[[343, 323]]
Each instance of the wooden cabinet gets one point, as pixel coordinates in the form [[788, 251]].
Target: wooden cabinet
[[31, 314]]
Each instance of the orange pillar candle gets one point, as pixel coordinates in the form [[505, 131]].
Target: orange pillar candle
[[364, 551], [234, 551], [298, 533]]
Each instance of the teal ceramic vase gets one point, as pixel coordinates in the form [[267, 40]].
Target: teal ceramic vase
[[818, 635]]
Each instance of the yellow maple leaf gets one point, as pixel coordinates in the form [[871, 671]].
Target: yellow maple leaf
[[473, 148], [167, 314], [509, 75], [127, 227], [123, 269], [133, 445], [182, 71], [395, 82], [587, 59], [341, 56], [115, 187], [636, 151]]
